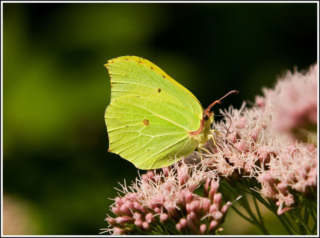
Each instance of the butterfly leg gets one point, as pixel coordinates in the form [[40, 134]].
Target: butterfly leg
[[201, 147], [213, 139]]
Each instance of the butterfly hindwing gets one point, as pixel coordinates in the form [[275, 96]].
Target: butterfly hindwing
[[148, 136]]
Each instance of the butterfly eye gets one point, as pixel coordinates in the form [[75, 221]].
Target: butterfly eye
[[159, 90]]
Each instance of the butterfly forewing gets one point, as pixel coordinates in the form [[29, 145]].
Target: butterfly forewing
[[134, 76]]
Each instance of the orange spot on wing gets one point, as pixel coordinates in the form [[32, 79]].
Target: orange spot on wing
[[146, 122]]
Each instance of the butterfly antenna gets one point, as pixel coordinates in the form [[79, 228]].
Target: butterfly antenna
[[208, 110]]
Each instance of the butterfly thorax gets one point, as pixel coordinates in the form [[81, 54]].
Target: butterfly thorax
[[202, 135]]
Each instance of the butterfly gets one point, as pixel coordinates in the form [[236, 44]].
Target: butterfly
[[152, 120]]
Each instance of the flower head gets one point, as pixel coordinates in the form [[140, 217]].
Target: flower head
[[163, 202], [262, 144], [253, 147]]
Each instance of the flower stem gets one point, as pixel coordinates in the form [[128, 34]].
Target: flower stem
[[257, 209]]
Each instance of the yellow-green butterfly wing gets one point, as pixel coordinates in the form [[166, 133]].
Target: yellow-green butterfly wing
[[151, 117]]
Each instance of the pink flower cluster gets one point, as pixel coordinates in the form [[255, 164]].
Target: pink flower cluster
[[164, 202], [251, 148], [294, 102], [294, 168]]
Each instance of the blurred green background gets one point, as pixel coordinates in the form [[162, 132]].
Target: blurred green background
[[57, 173]]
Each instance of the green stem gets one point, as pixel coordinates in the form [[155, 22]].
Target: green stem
[[285, 225], [253, 217], [244, 202], [314, 229], [257, 209], [243, 216], [169, 226], [304, 226], [306, 216]]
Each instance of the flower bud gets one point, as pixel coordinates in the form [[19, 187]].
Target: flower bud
[[118, 201], [214, 186], [125, 210], [123, 200], [169, 206], [282, 188], [183, 223], [213, 208], [217, 215], [225, 207], [206, 188], [193, 217], [119, 231], [179, 227], [138, 223], [203, 229], [283, 210], [150, 218], [133, 196], [150, 174], [137, 216], [183, 175], [144, 178], [164, 217], [124, 219], [218, 200], [206, 203], [157, 210], [111, 221], [146, 226], [129, 204], [192, 185], [213, 225], [191, 226], [157, 179], [166, 171], [211, 194], [195, 207], [188, 196], [138, 206], [116, 211], [167, 186]]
